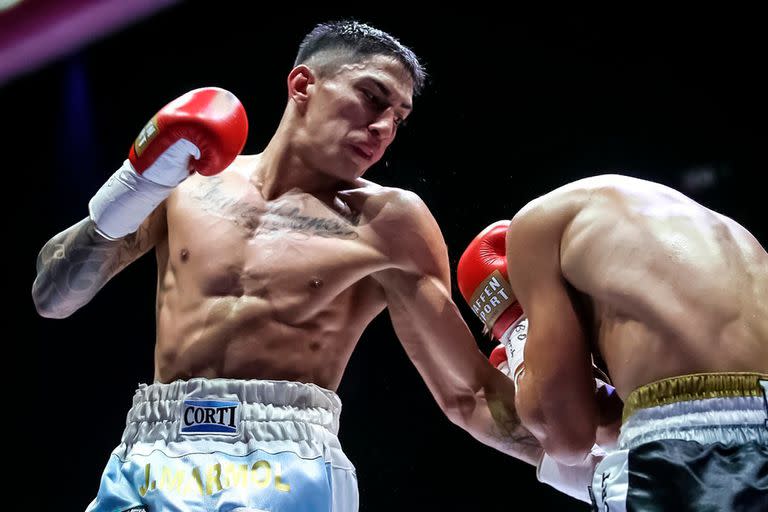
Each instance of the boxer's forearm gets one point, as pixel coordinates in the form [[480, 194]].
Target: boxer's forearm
[[471, 392], [496, 427], [491, 418], [74, 265]]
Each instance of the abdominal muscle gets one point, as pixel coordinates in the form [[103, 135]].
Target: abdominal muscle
[[241, 338], [238, 300]]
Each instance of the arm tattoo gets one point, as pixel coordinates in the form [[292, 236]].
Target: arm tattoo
[[77, 262], [512, 437]]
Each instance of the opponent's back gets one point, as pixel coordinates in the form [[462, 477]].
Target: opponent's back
[[672, 287]]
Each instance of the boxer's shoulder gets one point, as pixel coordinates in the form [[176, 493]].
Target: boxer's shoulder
[[380, 205]]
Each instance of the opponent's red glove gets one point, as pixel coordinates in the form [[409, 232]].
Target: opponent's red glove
[[482, 279], [202, 131]]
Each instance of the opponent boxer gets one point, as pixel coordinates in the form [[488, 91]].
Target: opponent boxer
[[674, 298], [482, 280], [269, 270]]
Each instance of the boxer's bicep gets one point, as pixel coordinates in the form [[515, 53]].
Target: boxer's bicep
[[425, 318], [434, 335], [471, 393]]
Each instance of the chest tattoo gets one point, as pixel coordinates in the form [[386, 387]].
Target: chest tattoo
[[277, 217]]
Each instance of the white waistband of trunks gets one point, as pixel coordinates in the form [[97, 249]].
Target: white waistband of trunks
[[301, 407], [713, 414]]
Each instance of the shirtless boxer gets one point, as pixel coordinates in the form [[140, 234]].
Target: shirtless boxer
[[268, 273], [673, 297]]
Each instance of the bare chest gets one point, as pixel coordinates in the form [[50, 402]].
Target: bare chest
[[293, 252]]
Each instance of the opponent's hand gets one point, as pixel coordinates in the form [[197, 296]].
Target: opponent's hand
[[202, 131]]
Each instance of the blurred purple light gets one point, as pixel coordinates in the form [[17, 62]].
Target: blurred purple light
[[38, 31]]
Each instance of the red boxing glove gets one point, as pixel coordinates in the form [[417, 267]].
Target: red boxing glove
[[482, 279], [202, 131], [211, 120]]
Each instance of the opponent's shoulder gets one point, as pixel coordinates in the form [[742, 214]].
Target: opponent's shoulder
[[602, 195], [615, 188], [550, 224]]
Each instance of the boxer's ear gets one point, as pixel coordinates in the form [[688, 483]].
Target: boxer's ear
[[300, 81]]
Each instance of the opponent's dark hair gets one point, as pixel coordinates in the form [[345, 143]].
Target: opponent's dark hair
[[331, 44]]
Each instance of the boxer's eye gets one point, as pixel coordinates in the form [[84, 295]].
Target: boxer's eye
[[375, 100], [381, 104]]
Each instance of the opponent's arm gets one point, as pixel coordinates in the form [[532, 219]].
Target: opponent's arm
[[556, 392], [470, 391], [201, 131], [483, 281]]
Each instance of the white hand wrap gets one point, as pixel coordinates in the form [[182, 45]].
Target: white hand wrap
[[124, 201], [172, 166], [514, 339], [127, 198], [571, 480]]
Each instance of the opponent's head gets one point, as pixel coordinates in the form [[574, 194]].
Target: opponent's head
[[353, 85]]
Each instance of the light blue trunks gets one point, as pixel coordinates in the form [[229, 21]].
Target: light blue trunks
[[230, 445]]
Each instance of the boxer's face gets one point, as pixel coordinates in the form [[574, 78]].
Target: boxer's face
[[353, 114]]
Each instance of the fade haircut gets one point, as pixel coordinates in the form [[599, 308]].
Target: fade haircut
[[329, 45]]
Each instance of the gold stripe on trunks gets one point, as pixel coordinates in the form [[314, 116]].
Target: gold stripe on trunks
[[698, 386]]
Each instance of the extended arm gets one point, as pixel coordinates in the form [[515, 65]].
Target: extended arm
[[471, 392]]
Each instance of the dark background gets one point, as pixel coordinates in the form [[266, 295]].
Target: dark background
[[517, 104]]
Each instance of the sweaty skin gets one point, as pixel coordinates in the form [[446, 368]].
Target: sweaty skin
[[281, 289], [273, 268], [653, 282]]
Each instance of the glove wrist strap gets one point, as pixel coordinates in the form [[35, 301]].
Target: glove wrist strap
[[120, 206]]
